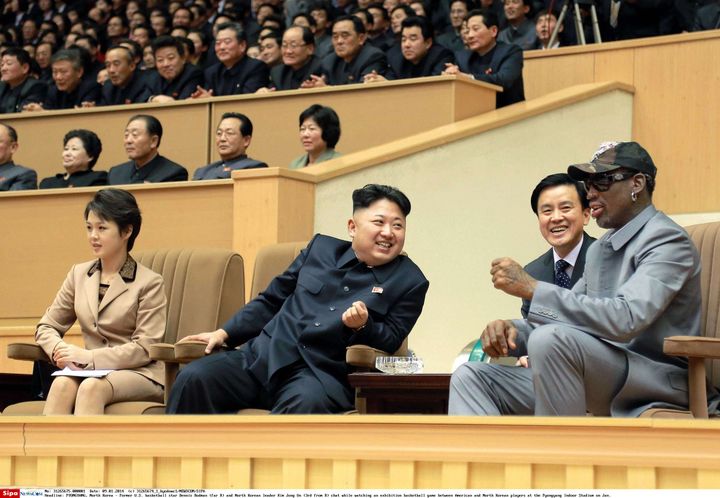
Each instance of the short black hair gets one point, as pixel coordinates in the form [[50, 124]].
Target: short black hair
[[236, 27], [118, 206], [381, 8], [490, 18], [357, 23], [246, 126], [152, 124], [91, 143], [328, 121], [405, 8], [310, 19], [165, 41], [556, 180], [419, 22], [22, 55], [273, 34], [370, 193], [12, 132]]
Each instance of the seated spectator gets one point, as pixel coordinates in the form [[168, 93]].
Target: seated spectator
[[417, 55], [201, 41], [92, 50], [381, 36], [235, 73], [124, 84], [352, 59], [452, 40], [183, 17], [489, 60], [142, 141], [419, 7], [175, 78], [597, 348], [232, 139], [18, 88], [319, 134], [143, 34], [270, 52], [520, 29], [13, 176], [298, 60], [323, 38], [81, 150], [562, 209], [545, 23], [69, 89], [43, 54], [707, 17], [295, 335], [121, 309]]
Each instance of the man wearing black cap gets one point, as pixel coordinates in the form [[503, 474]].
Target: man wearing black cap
[[598, 347]]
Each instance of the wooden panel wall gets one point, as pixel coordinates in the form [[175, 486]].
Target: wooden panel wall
[[676, 113], [367, 452]]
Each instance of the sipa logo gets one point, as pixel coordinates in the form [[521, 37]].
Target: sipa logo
[[10, 493]]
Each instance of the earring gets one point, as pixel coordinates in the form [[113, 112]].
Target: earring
[[633, 196]]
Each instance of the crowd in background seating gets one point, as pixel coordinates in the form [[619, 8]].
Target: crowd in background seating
[[60, 55]]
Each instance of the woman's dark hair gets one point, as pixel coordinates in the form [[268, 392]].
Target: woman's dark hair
[[363, 197], [118, 206], [91, 144], [328, 121]]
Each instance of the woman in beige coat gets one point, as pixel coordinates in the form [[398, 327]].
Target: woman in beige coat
[[121, 308]]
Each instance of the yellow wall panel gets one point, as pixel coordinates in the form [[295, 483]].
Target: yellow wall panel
[[267, 473], [486, 475], [671, 478], [72, 471], [319, 473], [167, 472], [121, 470], [548, 476], [610, 476]]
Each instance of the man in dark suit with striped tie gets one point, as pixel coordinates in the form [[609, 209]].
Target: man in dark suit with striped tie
[[561, 206]]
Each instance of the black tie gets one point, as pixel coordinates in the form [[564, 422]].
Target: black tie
[[561, 277]]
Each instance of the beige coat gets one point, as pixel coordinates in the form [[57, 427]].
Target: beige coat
[[120, 329]]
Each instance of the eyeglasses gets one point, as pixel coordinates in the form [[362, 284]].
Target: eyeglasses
[[603, 182], [292, 45]]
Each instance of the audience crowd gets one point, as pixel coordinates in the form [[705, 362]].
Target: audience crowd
[[84, 53]]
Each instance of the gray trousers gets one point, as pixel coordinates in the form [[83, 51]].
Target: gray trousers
[[572, 373]]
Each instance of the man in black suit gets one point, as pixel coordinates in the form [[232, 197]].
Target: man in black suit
[[298, 60], [18, 88], [334, 294], [13, 176], [124, 85], [489, 60], [175, 79], [563, 211], [69, 88], [142, 140], [232, 138], [236, 73], [417, 55], [352, 58]]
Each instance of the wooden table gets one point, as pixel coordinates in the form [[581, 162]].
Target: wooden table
[[412, 393]]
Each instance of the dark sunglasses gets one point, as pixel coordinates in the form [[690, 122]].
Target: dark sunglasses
[[603, 182]]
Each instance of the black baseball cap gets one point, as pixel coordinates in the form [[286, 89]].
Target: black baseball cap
[[613, 155]]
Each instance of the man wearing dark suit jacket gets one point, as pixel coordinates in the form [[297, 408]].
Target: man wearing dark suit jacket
[[352, 58], [298, 60], [563, 210], [334, 294], [417, 54], [18, 88], [236, 73], [232, 138], [489, 60], [175, 79], [13, 176], [124, 84], [142, 140]]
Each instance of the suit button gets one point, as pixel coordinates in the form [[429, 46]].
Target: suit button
[[317, 324], [346, 288], [332, 308]]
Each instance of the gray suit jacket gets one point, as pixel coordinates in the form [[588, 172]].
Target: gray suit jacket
[[543, 269], [16, 177], [641, 284]]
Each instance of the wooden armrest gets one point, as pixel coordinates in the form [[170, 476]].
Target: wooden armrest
[[28, 352], [187, 351], [692, 346], [162, 352], [362, 356]]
